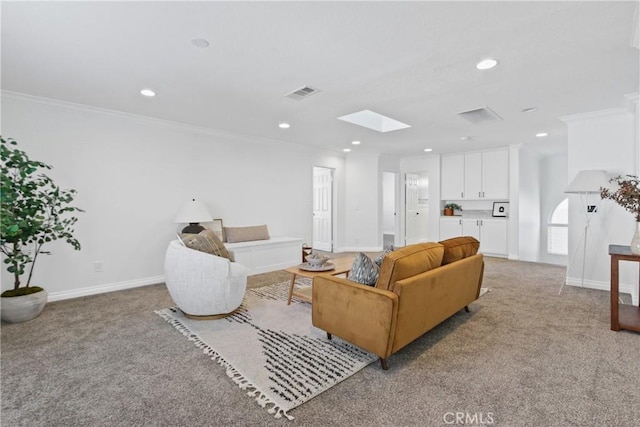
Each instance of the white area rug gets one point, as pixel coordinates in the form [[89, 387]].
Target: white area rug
[[271, 349]]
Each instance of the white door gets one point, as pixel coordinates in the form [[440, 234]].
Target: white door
[[411, 203], [322, 209]]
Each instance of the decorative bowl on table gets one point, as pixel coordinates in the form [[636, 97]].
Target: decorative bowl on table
[[316, 260]]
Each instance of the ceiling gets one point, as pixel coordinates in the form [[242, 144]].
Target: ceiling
[[411, 61]]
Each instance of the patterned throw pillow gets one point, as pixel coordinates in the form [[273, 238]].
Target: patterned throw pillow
[[379, 258], [364, 270], [206, 241]]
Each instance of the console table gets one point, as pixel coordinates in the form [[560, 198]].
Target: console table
[[623, 316]]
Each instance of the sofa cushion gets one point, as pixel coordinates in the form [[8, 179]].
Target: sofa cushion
[[409, 261], [364, 270], [246, 234], [458, 248], [206, 241]]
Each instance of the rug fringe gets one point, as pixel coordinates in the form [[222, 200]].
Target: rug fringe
[[232, 373]]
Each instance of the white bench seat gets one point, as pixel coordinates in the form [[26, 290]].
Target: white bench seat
[[262, 256]]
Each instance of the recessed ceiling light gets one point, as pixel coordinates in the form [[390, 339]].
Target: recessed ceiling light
[[346, 150], [486, 64], [428, 150], [542, 134], [284, 125], [355, 142], [147, 92], [529, 110], [201, 43]]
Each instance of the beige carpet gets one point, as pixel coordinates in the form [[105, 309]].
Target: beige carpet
[[525, 354]]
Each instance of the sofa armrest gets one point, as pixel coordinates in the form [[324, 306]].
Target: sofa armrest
[[362, 315]]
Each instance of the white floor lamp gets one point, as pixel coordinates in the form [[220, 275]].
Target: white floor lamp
[[586, 183]]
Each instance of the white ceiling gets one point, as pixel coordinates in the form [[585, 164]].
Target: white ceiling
[[412, 61]]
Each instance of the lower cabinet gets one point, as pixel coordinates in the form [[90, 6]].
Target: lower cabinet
[[450, 227], [492, 233]]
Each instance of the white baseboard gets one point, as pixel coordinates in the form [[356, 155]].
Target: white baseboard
[[101, 289], [625, 288]]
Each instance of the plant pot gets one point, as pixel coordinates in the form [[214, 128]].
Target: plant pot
[[448, 212], [23, 308]]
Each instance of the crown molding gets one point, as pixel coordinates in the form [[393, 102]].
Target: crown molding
[[595, 114], [165, 124]]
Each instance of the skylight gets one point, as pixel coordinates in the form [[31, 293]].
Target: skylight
[[374, 121]]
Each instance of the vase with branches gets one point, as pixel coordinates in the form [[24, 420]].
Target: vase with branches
[[34, 211], [627, 195]]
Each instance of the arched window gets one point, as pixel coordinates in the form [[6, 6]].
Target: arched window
[[558, 229]]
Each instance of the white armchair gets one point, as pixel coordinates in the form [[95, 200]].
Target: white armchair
[[201, 284]]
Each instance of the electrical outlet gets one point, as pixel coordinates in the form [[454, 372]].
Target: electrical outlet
[[97, 266]]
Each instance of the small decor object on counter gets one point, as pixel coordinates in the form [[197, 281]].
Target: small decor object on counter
[[500, 209], [450, 208], [627, 195]]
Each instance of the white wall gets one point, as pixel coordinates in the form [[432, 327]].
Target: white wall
[[529, 206], [553, 181], [363, 204], [388, 202], [601, 140], [133, 174]]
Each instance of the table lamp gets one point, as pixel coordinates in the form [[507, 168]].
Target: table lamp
[[193, 212]]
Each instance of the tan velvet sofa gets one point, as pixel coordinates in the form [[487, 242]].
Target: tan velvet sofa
[[419, 286]]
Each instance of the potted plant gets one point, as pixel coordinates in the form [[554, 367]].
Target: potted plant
[[627, 195], [34, 211], [449, 208]]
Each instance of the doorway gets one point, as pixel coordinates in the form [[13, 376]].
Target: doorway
[[416, 207], [322, 209], [390, 205]]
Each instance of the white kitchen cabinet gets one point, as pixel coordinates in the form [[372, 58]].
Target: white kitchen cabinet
[[471, 227], [452, 187], [473, 176], [450, 227], [492, 234], [495, 175], [476, 176], [494, 237]]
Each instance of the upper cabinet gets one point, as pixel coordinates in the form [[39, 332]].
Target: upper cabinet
[[452, 182], [476, 176]]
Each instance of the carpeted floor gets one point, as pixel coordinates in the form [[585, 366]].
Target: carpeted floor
[[524, 356]]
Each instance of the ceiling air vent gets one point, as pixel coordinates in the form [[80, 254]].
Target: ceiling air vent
[[302, 93], [480, 115]]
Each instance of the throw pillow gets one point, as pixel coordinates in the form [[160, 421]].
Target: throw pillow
[[378, 260], [458, 248], [364, 270], [206, 241], [246, 234]]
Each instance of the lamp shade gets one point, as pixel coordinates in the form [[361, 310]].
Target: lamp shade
[[588, 181], [193, 211]]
